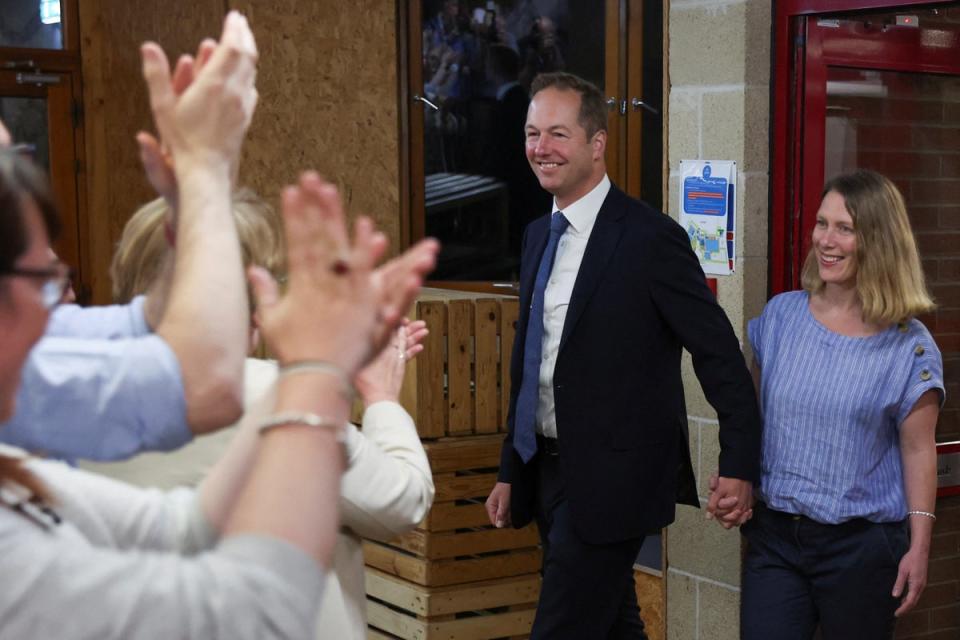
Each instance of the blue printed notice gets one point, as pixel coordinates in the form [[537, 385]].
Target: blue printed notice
[[705, 195], [708, 212]]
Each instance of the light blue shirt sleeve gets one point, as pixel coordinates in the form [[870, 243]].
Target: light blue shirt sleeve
[[108, 322], [99, 399]]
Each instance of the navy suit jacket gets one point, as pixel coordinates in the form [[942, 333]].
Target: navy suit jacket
[[640, 297]]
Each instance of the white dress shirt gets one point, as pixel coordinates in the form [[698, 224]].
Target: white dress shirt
[[582, 214]]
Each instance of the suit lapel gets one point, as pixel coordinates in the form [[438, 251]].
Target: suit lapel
[[538, 234], [604, 238]]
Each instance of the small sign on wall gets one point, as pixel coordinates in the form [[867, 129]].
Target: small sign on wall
[[708, 202], [948, 469]]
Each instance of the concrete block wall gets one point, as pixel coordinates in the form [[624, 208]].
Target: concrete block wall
[[719, 97]]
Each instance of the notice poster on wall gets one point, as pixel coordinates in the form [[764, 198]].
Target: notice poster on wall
[[708, 196]]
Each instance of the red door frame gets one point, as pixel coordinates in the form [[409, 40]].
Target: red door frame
[[796, 136]]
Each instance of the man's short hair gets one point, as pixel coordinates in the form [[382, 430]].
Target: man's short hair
[[593, 107]]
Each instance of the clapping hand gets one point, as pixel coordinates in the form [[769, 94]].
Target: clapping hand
[[382, 379], [337, 307]]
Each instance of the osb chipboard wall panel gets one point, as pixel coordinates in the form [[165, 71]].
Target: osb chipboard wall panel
[[328, 101], [116, 105]]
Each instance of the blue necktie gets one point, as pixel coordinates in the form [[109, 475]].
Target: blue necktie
[[524, 427]]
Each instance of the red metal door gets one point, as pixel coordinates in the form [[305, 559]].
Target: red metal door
[[875, 86]]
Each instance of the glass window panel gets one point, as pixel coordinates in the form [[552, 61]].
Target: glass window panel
[[33, 24], [478, 61], [907, 127], [26, 118]]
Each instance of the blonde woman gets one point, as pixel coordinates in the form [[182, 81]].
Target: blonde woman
[[850, 384]]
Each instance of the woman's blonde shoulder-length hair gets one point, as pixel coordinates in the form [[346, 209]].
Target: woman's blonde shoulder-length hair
[[890, 279], [140, 253]]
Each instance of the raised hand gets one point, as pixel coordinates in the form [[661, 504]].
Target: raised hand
[[205, 106], [383, 377], [336, 308]]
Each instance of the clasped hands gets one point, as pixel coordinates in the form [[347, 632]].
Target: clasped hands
[[731, 501]]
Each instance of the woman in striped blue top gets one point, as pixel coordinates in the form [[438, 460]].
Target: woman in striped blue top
[[850, 385]]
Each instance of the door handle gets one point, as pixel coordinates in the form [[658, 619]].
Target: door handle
[[419, 98], [39, 79], [637, 103]]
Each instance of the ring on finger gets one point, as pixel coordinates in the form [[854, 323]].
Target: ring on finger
[[340, 267]]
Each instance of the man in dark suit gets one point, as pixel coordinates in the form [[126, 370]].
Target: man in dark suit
[[597, 451]]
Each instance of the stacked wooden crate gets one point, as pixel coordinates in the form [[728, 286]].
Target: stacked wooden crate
[[456, 576]]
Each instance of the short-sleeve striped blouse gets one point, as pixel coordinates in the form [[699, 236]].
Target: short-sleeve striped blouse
[[832, 408]]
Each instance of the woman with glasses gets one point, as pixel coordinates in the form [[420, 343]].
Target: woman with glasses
[[850, 385]]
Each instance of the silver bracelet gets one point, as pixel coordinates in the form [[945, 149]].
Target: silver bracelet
[[294, 418], [319, 366], [922, 513]]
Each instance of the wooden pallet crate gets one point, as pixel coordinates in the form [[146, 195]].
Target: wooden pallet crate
[[502, 608], [455, 543], [460, 384]]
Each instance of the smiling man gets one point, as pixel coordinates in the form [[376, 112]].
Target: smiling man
[[597, 452]]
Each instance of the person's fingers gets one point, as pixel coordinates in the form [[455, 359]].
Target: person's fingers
[[714, 481], [296, 232], [727, 502], [182, 74], [156, 73], [712, 505], [369, 245], [491, 507], [266, 292], [237, 34], [156, 166], [503, 513], [150, 154], [416, 334], [412, 352], [204, 51], [913, 592]]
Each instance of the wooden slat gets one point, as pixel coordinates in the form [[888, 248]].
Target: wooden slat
[[487, 321], [450, 486], [438, 545], [496, 625], [459, 357], [516, 623], [446, 516], [432, 406], [399, 624], [457, 454], [435, 601], [450, 571], [508, 330]]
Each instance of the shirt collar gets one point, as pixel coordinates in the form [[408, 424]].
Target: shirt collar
[[583, 213]]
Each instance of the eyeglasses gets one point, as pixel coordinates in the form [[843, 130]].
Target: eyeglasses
[[56, 281]]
